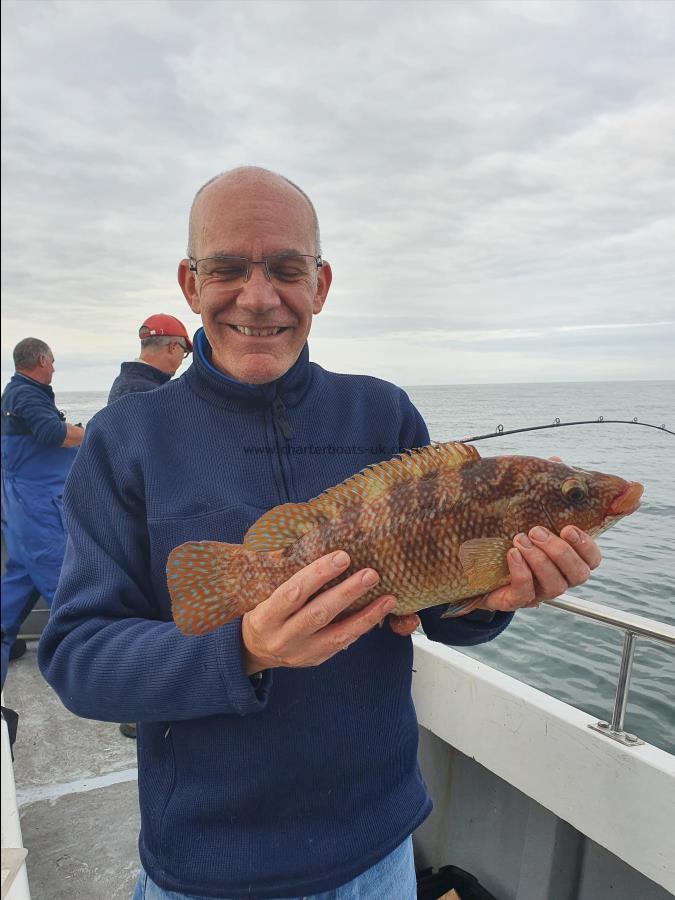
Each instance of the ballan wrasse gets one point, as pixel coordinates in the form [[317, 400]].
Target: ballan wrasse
[[435, 523]]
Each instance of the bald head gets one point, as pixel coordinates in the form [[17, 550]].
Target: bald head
[[235, 181], [256, 325]]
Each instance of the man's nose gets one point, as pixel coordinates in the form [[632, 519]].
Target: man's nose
[[258, 294]]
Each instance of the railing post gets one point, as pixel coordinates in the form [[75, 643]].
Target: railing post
[[623, 683], [614, 729]]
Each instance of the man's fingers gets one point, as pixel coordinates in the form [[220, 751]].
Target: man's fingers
[[326, 606], [583, 545], [294, 593], [570, 569], [543, 559], [341, 635]]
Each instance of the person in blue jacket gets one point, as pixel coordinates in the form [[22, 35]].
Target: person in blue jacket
[[38, 448], [165, 343], [277, 755]]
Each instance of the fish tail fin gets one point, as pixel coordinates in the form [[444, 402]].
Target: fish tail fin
[[209, 584], [463, 607]]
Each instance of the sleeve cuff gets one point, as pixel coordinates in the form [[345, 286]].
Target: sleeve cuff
[[245, 694], [463, 631]]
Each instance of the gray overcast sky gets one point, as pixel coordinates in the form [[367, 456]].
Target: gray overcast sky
[[495, 180]]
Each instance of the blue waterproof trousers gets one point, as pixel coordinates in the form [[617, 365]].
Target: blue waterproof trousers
[[35, 541]]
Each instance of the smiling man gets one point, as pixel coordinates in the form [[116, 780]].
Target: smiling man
[[271, 763], [254, 273]]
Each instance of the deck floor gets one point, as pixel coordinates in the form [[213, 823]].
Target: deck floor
[[77, 795]]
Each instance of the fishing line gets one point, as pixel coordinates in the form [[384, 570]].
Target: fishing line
[[601, 420]]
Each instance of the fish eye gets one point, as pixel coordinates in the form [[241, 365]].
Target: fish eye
[[573, 490]]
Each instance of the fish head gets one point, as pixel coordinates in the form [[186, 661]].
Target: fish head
[[557, 495]]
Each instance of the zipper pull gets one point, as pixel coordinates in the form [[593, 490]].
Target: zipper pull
[[281, 417]]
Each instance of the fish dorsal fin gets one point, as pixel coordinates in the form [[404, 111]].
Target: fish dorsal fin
[[284, 524], [373, 481], [444, 456]]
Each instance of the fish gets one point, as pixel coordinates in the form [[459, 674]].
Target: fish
[[435, 523]]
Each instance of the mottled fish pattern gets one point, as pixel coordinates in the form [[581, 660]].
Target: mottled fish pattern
[[435, 523]]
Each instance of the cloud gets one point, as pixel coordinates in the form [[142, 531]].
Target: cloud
[[495, 178]]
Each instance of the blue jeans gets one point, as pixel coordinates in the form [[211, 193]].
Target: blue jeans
[[393, 877]]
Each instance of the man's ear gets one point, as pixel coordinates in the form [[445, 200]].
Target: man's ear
[[323, 282], [188, 285]]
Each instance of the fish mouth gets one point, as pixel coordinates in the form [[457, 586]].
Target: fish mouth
[[627, 501]]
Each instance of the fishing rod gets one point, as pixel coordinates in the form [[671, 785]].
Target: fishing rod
[[601, 420]]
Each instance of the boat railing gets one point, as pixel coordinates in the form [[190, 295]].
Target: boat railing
[[633, 626]]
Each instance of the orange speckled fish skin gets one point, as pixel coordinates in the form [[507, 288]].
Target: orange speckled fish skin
[[435, 524]]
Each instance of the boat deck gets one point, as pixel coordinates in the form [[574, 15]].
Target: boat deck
[[76, 793]]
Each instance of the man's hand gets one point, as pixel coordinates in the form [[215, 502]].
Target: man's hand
[[285, 630], [542, 566], [74, 435]]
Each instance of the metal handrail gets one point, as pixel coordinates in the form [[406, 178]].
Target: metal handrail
[[659, 631], [632, 626]]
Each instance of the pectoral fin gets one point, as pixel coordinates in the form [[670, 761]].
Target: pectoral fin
[[484, 563], [463, 607]]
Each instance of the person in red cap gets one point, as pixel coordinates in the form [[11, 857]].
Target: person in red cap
[[165, 343]]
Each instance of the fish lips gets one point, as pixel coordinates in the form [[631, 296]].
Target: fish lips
[[627, 501]]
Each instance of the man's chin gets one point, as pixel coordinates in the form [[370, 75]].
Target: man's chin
[[258, 368]]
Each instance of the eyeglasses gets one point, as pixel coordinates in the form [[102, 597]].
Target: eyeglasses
[[185, 350], [235, 271]]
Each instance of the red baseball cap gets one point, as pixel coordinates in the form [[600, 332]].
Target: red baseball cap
[[163, 324]]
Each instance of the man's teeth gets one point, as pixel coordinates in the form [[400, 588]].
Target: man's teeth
[[257, 332]]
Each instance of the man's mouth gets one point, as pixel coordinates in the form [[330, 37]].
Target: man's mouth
[[258, 332]]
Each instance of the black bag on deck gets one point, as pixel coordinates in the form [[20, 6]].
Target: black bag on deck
[[432, 885]]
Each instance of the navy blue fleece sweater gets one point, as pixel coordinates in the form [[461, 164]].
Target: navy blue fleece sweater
[[294, 785], [136, 376]]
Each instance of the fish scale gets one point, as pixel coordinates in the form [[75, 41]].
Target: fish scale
[[435, 523]]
